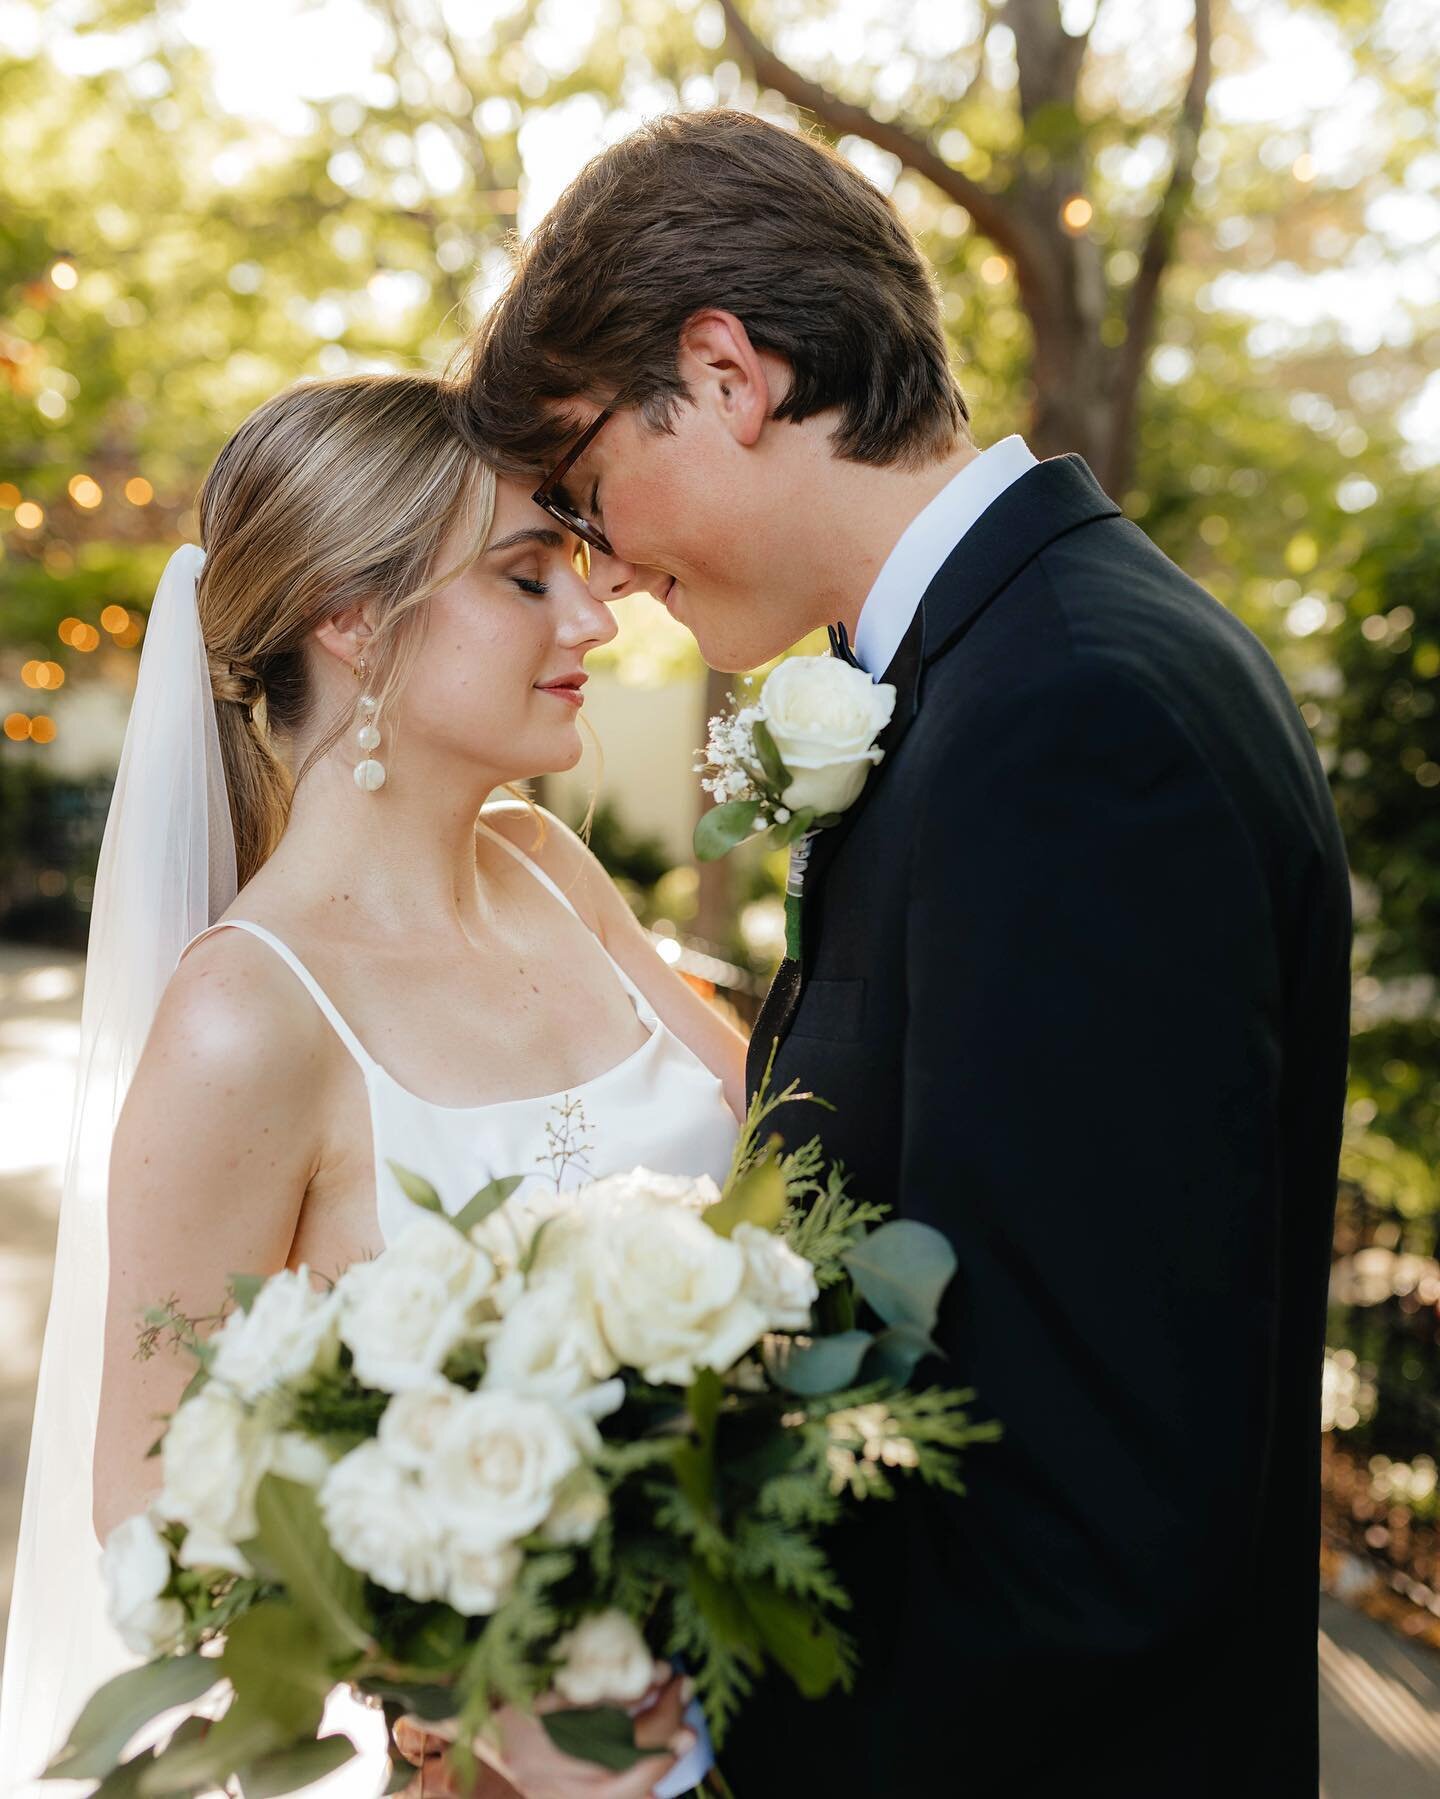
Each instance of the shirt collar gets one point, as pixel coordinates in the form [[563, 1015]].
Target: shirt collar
[[926, 542]]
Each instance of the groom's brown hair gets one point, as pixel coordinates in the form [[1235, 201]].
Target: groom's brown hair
[[717, 209]]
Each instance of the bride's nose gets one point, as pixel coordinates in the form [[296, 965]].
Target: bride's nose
[[588, 621]]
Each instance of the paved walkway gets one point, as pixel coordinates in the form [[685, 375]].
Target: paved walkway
[[1379, 1696]]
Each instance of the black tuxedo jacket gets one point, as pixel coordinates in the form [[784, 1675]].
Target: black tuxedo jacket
[[1075, 978]]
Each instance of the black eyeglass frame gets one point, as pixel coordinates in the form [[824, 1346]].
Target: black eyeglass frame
[[558, 507]]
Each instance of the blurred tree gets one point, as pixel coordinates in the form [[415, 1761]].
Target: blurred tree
[[1381, 726]]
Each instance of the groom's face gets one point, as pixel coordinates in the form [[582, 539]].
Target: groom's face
[[695, 516]]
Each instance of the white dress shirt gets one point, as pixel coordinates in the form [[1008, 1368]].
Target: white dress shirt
[[928, 539]]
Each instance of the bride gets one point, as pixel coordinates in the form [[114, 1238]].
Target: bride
[[384, 962]]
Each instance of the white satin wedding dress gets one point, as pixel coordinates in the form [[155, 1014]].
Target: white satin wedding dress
[[660, 1107]]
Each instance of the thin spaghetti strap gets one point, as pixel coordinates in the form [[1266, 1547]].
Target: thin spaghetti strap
[[530, 863], [642, 1005], [302, 974]]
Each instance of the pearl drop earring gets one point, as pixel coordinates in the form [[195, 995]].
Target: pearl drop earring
[[369, 774]]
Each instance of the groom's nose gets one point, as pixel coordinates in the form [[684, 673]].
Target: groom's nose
[[611, 577]]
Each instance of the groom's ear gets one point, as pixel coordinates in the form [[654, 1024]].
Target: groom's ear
[[727, 376]]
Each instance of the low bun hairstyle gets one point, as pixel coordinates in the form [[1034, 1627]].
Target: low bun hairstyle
[[332, 493]]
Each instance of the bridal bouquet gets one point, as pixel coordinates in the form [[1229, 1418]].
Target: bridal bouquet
[[531, 1446]]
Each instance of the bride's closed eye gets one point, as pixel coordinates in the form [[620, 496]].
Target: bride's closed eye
[[527, 585]]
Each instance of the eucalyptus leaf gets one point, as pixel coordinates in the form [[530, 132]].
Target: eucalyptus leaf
[[602, 1734], [123, 1782], [489, 1199], [416, 1188], [897, 1352], [113, 1715], [771, 760], [824, 1365], [902, 1269], [419, 1698], [723, 827], [275, 1660], [292, 1541], [287, 1770], [758, 1197]]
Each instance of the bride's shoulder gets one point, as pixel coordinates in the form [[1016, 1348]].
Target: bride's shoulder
[[232, 1006]]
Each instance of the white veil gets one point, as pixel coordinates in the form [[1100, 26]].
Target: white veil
[[167, 870]]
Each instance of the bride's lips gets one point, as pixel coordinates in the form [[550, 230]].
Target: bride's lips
[[566, 687]]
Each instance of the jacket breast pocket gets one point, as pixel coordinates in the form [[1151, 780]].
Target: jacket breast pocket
[[834, 1010]]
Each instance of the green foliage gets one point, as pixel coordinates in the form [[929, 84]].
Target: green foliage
[[418, 1190], [508, 1663], [113, 1714], [758, 1197], [826, 1229], [598, 1733], [292, 1547], [724, 828], [489, 1199], [711, 1631], [789, 1559], [333, 1406]]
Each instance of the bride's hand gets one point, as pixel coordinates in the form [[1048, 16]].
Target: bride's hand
[[531, 1766]]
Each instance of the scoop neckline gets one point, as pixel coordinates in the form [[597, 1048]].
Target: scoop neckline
[[537, 1099]]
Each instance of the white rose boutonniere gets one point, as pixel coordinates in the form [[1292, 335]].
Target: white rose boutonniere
[[792, 763]]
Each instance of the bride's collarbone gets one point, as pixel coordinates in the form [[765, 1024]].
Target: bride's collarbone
[[528, 1013]]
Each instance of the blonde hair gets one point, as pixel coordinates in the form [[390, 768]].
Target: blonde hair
[[332, 493]]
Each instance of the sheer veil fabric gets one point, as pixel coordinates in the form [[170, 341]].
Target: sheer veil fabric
[[167, 870]]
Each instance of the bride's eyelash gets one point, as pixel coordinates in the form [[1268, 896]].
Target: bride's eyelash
[[538, 588]]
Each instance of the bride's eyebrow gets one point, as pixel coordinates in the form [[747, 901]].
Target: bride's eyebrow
[[536, 534]]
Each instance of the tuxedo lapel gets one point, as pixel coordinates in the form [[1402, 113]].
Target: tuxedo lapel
[[1047, 501]]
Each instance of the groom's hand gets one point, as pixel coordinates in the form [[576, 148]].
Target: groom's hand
[[532, 1767]]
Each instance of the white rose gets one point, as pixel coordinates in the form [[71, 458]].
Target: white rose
[[409, 1424], [136, 1570], [497, 1464], [824, 717], [579, 1510], [403, 1313], [550, 1347], [288, 1327], [645, 1189], [480, 1578], [213, 1456], [603, 1658], [669, 1294], [381, 1522], [780, 1282]]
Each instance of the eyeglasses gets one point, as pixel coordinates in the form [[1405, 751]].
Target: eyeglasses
[[551, 496]]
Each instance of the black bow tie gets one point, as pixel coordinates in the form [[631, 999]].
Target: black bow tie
[[840, 644]]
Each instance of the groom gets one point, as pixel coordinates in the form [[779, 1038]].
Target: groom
[[1074, 976]]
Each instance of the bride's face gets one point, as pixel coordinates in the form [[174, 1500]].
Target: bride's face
[[498, 679]]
